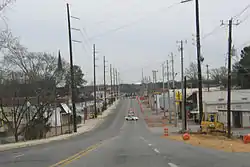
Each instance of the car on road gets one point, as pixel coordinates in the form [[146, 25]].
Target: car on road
[[131, 117], [130, 112]]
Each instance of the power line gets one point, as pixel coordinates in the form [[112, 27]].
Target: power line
[[243, 20], [132, 23], [212, 32], [239, 14], [88, 48]]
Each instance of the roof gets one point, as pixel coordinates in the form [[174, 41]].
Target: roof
[[241, 110], [220, 97]]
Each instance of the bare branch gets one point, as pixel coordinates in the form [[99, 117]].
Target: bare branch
[[192, 71], [5, 3], [21, 113], [5, 119]]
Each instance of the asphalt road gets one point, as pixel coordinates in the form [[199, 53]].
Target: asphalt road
[[118, 143]]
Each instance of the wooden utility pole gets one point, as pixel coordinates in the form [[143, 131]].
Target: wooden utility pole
[[208, 86], [199, 57], [168, 85], [198, 47], [117, 85], [114, 83], [154, 89], [229, 81], [104, 82], [163, 88], [111, 82], [173, 82], [142, 76], [72, 72], [182, 85], [94, 66], [185, 103]]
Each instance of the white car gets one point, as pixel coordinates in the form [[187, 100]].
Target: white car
[[131, 118]]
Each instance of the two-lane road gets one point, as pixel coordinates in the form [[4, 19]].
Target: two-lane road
[[119, 143]]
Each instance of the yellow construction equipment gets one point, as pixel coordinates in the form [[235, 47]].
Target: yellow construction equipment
[[211, 123]]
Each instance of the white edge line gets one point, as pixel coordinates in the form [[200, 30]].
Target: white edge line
[[156, 150], [149, 144], [143, 139], [172, 165]]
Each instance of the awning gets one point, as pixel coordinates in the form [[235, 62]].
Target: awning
[[66, 108]]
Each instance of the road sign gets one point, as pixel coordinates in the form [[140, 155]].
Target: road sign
[[178, 97]]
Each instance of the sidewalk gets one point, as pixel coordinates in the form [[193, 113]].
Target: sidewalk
[[88, 126]]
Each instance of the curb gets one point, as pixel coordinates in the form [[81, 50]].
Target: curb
[[6, 147]]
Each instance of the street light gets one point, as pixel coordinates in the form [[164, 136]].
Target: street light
[[199, 58]]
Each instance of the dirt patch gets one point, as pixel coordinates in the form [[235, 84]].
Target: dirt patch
[[215, 142], [155, 121]]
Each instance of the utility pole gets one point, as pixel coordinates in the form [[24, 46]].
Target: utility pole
[[163, 88], [114, 91], [182, 85], [104, 82], [229, 81], [199, 57], [111, 86], [154, 87], [185, 103], [169, 110], [142, 77], [117, 85], [71, 72], [207, 78], [173, 80], [94, 59], [198, 47]]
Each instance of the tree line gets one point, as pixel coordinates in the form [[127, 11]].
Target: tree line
[[218, 76]]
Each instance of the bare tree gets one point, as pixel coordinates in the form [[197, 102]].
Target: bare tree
[[24, 119], [219, 75], [34, 65], [14, 116], [192, 71]]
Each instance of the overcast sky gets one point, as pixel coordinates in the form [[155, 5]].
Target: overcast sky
[[132, 34]]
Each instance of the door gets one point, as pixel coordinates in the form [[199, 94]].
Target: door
[[237, 117]]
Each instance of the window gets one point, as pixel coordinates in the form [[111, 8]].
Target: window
[[238, 106], [220, 99], [219, 107]]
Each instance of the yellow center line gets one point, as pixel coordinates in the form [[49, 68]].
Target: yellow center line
[[75, 156]]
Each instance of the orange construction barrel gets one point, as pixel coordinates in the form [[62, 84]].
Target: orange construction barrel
[[165, 131], [186, 136], [246, 139]]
